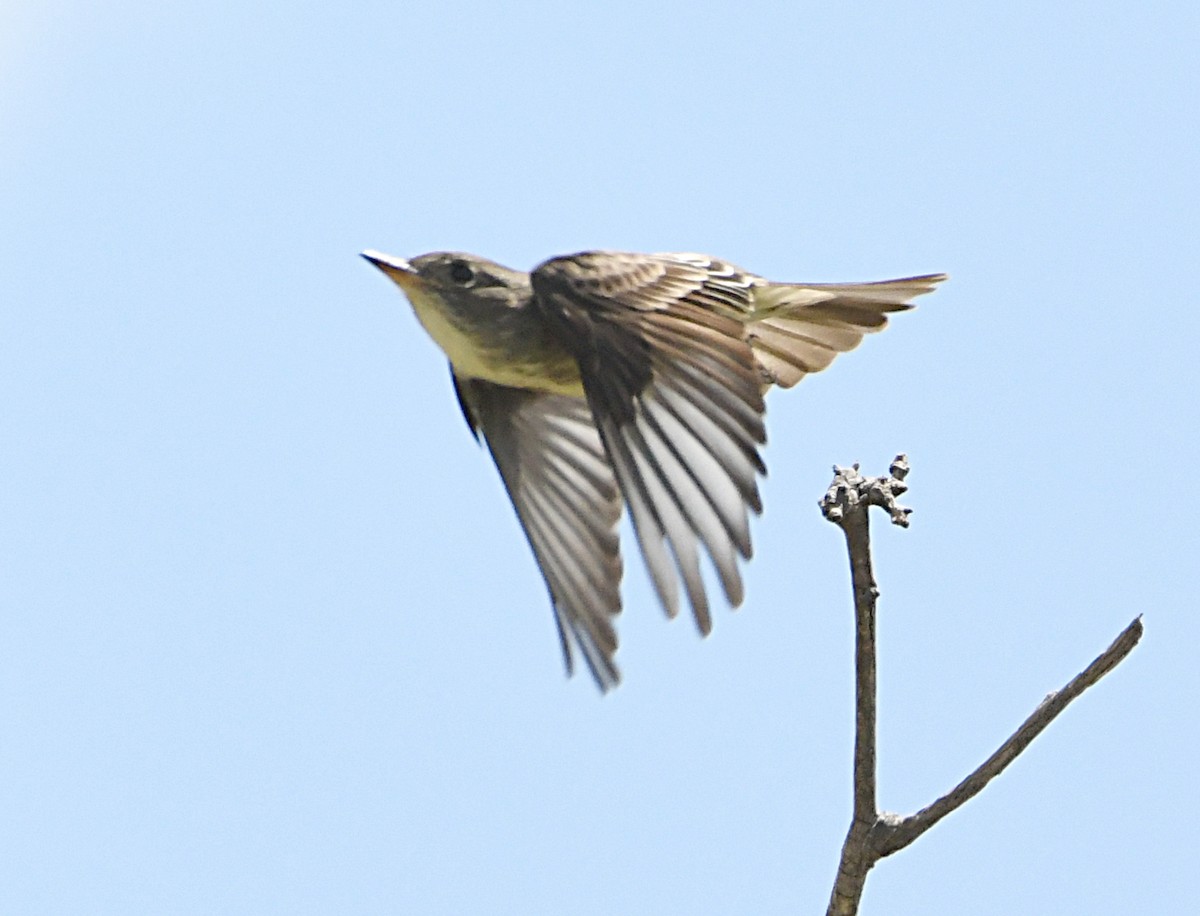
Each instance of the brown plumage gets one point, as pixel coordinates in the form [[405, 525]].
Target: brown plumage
[[606, 378]]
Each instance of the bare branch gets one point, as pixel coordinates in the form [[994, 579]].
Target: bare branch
[[909, 828], [845, 504], [873, 835]]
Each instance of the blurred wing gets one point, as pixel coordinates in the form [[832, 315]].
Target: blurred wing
[[804, 326], [674, 391], [550, 458]]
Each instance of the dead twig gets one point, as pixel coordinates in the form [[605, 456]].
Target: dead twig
[[874, 834]]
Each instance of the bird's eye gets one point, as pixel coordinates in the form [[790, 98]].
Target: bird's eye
[[461, 273]]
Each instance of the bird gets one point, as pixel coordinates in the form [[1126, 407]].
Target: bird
[[603, 380]]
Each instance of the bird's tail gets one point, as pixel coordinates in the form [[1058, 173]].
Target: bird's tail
[[799, 328]]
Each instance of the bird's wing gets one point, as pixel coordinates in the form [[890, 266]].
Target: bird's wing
[[674, 390], [550, 458], [799, 328]]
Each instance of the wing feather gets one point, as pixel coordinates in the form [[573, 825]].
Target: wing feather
[[557, 473], [675, 392]]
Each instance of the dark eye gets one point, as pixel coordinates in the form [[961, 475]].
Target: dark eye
[[461, 273]]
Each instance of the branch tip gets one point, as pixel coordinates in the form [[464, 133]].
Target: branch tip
[[851, 491]]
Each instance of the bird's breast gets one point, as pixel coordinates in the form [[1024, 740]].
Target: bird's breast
[[505, 346]]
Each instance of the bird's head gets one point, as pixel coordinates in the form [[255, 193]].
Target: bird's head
[[452, 278], [479, 312]]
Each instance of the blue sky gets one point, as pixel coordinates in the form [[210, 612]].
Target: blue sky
[[270, 638]]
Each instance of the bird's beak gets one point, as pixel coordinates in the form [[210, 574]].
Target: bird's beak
[[398, 269]]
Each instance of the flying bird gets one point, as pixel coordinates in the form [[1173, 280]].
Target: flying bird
[[606, 379]]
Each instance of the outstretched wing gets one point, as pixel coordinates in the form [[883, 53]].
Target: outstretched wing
[[550, 458], [799, 328], [675, 393]]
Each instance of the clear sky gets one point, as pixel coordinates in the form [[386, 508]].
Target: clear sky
[[270, 637]]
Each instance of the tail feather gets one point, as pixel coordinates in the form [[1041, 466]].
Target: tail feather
[[799, 328]]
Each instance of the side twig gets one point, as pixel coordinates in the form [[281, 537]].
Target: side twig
[[873, 834]]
